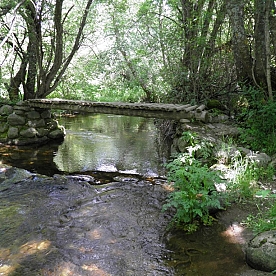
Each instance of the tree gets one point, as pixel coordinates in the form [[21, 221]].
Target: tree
[[200, 71], [239, 41], [41, 46], [254, 47]]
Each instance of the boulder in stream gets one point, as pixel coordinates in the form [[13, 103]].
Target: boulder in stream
[[261, 251]]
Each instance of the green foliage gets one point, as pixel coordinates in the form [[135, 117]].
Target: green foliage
[[242, 183], [190, 138], [260, 122], [134, 94], [85, 91], [263, 221], [197, 147], [245, 175], [194, 192]]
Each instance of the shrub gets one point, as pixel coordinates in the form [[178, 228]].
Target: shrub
[[242, 182], [260, 122], [194, 192]]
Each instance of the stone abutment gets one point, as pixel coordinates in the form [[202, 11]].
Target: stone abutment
[[21, 124]]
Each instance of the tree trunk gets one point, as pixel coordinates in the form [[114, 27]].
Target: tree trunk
[[267, 48], [272, 21], [240, 46], [60, 65], [260, 44], [31, 57], [40, 71]]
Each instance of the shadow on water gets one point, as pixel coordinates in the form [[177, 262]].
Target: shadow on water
[[206, 252], [36, 159], [100, 213]]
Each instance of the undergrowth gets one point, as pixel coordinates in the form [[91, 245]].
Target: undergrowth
[[263, 221], [195, 194], [258, 116]]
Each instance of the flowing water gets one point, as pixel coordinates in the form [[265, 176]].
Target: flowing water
[[92, 206]]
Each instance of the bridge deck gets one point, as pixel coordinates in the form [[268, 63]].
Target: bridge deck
[[149, 110]]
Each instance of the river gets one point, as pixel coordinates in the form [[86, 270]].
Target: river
[[92, 206]]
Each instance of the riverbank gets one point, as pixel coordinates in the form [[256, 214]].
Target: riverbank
[[233, 219], [234, 164]]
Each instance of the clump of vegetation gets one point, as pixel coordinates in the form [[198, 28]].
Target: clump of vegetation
[[243, 179], [263, 221], [194, 183], [194, 192], [259, 122], [198, 148]]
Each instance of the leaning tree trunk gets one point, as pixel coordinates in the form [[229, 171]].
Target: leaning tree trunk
[[14, 86]]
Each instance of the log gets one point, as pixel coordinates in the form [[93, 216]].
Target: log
[[203, 116], [200, 108], [191, 108]]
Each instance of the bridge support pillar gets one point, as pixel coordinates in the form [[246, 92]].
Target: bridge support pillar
[[21, 124]]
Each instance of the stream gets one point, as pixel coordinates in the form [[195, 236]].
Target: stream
[[92, 206]]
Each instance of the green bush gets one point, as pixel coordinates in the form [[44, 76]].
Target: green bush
[[259, 128], [194, 192], [198, 148], [242, 183]]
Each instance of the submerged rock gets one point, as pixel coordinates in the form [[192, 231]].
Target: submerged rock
[[49, 225], [261, 251]]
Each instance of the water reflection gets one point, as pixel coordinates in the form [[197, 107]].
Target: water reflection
[[94, 143], [36, 159], [109, 143]]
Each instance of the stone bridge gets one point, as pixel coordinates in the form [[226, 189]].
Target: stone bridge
[[149, 110]]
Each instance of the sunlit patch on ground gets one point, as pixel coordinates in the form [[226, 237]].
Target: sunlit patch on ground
[[62, 269], [69, 269], [10, 261], [95, 234], [168, 187], [6, 269], [33, 247]]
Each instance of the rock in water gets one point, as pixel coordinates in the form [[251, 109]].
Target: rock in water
[[261, 251]]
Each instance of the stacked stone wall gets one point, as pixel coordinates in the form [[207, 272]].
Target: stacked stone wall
[[24, 125]]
